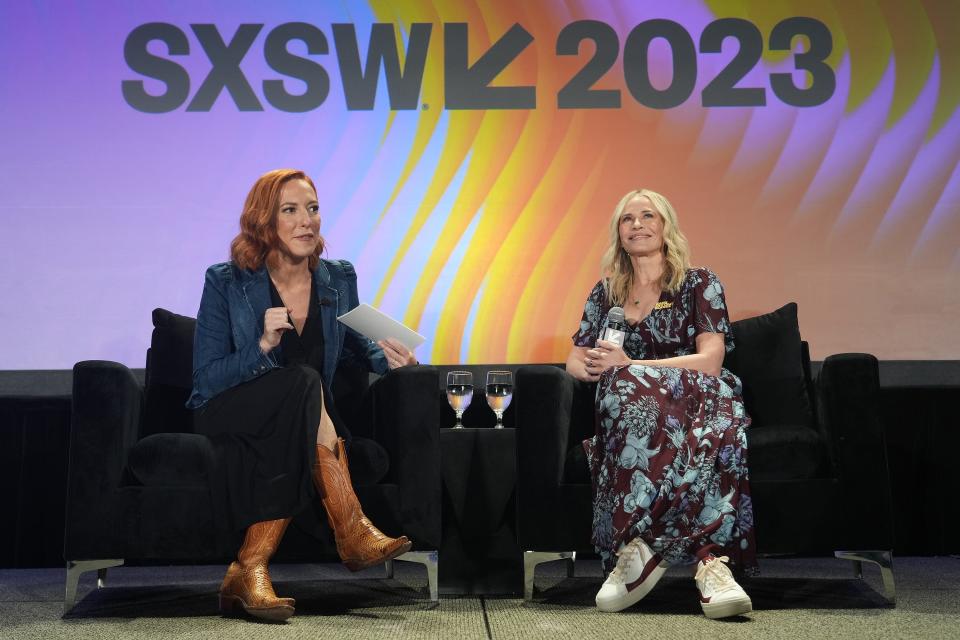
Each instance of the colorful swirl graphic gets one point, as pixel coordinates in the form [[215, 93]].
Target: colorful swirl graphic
[[482, 228]]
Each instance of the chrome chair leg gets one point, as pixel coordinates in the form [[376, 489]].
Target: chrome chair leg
[[430, 560], [532, 558], [883, 559], [75, 568]]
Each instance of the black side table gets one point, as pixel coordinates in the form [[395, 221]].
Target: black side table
[[479, 553]]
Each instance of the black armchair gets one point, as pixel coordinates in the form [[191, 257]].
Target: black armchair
[[818, 466], [137, 484]]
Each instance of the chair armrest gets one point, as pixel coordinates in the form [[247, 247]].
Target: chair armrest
[[406, 422], [848, 389], [544, 403], [106, 407]]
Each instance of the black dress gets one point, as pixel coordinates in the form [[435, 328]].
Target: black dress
[[264, 431]]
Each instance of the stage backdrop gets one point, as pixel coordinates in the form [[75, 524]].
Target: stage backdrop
[[469, 155]]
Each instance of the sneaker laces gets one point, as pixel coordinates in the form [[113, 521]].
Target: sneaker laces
[[625, 558], [716, 576]]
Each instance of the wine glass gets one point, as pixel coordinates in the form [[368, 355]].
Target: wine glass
[[459, 393], [499, 393]]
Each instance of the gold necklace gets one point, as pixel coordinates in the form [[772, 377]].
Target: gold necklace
[[636, 303]]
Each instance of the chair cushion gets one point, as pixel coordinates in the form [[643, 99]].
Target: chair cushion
[[786, 452], [368, 462], [169, 374], [576, 469], [768, 360], [171, 460]]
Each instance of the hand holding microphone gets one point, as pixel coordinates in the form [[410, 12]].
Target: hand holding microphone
[[608, 351], [276, 320], [616, 329]]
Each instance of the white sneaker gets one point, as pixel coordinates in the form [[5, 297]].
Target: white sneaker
[[638, 570], [720, 595]]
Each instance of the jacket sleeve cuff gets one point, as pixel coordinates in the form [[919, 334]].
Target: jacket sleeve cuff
[[267, 361], [378, 363]]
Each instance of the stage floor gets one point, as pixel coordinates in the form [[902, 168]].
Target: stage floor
[[794, 598]]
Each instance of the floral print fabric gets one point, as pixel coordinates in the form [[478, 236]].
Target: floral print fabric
[[669, 458]]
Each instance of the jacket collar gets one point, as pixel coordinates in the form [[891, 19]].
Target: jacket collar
[[329, 294], [256, 286], [256, 289]]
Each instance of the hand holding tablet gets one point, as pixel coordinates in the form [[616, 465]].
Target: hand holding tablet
[[378, 326]]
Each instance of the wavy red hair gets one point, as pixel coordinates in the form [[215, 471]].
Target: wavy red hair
[[258, 222]]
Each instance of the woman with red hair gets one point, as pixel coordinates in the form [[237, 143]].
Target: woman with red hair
[[266, 347]]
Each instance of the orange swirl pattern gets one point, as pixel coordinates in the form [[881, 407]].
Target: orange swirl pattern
[[849, 208]]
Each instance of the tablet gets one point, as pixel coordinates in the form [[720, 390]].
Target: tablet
[[377, 326]]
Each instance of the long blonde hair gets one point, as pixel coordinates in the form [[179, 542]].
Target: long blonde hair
[[616, 270]]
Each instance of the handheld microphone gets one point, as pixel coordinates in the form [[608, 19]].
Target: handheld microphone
[[616, 328]]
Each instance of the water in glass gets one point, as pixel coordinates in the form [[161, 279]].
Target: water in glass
[[459, 393], [499, 393]]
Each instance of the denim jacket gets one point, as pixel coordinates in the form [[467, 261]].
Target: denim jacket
[[226, 344]]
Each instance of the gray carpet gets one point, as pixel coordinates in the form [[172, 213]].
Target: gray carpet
[[794, 599]]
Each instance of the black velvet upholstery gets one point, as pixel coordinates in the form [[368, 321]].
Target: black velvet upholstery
[[405, 418], [105, 418], [171, 460], [774, 366], [368, 461], [138, 478], [819, 478], [575, 467], [786, 452], [767, 358], [554, 413], [169, 377], [849, 394]]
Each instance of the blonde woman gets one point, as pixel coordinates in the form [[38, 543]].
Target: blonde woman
[[669, 458]]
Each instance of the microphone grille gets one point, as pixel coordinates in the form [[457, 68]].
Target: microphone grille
[[615, 315]]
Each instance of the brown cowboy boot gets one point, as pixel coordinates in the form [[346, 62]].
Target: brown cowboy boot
[[359, 543], [247, 584]]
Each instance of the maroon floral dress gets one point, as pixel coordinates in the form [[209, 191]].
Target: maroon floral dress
[[669, 458]]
